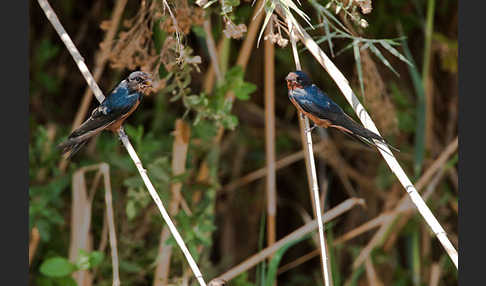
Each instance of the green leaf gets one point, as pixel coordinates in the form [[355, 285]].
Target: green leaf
[[230, 122], [127, 266], [244, 90], [95, 258], [131, 210], [57, 267], [82, 262]]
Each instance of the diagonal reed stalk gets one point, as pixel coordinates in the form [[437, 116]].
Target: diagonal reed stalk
[[50, 14], [392, 162], [307, 142]]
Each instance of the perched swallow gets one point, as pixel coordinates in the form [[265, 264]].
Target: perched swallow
[[111, 113], [324, 112]]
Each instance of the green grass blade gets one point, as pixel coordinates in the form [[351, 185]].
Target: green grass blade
[[357, 57], [260, 268], [394, 51], [333, 257], [420, 113], [355, 276], [347, 47], [273, 265], [330, 15], [377, 53], [328, 35]]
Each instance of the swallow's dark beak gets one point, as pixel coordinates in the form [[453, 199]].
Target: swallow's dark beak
[[148, 82]]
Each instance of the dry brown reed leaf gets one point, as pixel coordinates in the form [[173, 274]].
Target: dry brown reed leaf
[[376, 98]]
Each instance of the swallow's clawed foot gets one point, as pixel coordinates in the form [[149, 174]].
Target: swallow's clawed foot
[[311, 128], [122, 133]]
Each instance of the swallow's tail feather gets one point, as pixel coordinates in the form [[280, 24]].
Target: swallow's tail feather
[[361, 133], [72, 145]]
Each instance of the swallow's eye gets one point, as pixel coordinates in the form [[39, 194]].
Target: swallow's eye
[[138, 79]]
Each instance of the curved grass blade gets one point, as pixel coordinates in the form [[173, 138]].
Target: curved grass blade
[[269, 13], [273, 265]]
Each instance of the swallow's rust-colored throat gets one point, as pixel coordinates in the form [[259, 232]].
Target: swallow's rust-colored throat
[[291, 85]]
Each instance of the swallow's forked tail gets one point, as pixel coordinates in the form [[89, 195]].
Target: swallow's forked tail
[[363, 134], [72, 145]]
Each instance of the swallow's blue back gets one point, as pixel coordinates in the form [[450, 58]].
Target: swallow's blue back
[[314, 101], [121, 98]]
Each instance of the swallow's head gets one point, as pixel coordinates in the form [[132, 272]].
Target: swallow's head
[[140, 81], [297, 79]]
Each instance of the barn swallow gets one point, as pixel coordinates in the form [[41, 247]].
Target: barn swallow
[[324, 112], [111, 113]]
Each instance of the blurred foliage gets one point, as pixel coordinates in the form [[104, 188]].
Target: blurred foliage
[[224, 228]]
